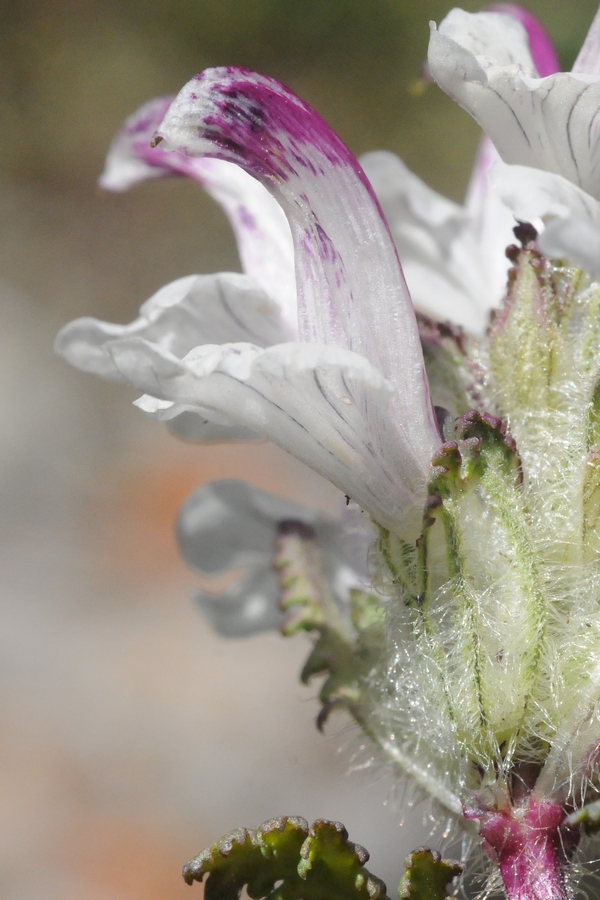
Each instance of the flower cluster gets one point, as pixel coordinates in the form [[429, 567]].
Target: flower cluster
[[454, 399]]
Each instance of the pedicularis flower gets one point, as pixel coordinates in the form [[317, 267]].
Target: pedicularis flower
[[471, 653]]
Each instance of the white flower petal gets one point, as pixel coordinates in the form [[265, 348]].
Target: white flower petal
[[533, 193], [351, 292], [571, 217], [437, 243], [228, 524], [588, 59], [192, 426], [540, 46], [199, 309], [482, 41], [327, 406], [483, 61], [493, 223], [261, 229], [247, 607], [260, 226], [577, 240]]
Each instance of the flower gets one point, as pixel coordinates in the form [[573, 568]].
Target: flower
[[472, 662], [229, 525], [544, 128], [259, 307], [350, 398]]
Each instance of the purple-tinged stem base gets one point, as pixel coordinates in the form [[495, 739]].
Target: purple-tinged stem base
[[526, 845]]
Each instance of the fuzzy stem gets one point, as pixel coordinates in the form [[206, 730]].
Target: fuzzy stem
[[526, 845]]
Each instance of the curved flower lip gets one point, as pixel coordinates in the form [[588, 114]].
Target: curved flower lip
[[197, 309], [483, 61], [258, 222], [227, 525], [351, 290], [325, 405]]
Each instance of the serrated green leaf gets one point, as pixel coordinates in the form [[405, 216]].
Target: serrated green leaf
[[346, 648], [346, 664], [427, 875], [285, 860], [329, 859]]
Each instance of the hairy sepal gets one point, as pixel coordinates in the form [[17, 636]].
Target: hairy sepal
[[497, 609]]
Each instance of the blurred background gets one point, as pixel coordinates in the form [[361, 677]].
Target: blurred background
[[131, 735]]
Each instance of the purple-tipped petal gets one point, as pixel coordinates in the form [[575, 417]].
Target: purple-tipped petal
[[258, 222], [327, 406], [131, 159], [351, 291], [541, 47]]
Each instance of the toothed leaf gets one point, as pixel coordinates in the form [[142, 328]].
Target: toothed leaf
[[285, 860], [427, 875], [344, 651], [329, 859]]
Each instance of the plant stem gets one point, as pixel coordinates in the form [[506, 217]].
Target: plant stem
[[525, 842]]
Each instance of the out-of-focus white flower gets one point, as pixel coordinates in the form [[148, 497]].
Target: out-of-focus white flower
[[229, 525]]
